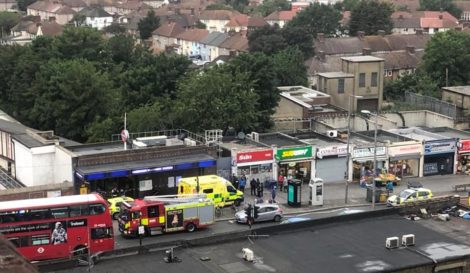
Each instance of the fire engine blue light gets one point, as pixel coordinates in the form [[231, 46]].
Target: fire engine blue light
[[94, 176], [120, 173], [207, 163]]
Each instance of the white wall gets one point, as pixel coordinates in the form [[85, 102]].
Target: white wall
[[23, 160], [43, 165], [63, 170]]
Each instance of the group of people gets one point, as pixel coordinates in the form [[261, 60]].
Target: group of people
[[256, 186]]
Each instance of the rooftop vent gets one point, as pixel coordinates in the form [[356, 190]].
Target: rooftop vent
[[392, 242]]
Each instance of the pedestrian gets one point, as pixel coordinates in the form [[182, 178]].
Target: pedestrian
[[273, 194], [242, 183], [284, 184], [280, 181], [389, 187], [258, 187], [253, 186]]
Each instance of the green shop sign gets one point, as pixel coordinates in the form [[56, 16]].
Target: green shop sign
[[294, 153]]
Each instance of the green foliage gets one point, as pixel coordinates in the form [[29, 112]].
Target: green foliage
[[371, 16], [239, 5], [437, 5], [347, 4], [217, 98], [270, 6], [79, 20], [69, 95], [416, 83], [267, 39], [448, 50], [148, 24], [115, 28], [299, 37], [121, 48], [318, 18], [100, 130], [7, 21], [218, 6], [23, 4], [80, 42], [153, 117], [289, 67]]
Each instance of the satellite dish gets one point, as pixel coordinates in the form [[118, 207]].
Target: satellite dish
[[241, 135]]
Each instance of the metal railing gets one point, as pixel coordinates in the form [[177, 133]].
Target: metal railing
[[9, 182], [431, 104], [200, 140]]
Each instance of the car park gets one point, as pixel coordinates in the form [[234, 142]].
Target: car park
[[265, 212], [115, 205], [408, 196]]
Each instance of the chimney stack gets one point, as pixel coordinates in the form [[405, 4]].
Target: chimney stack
[[381, 33], [366, 51], [360, 35], [321, 37], [410, 49], [321, 55]]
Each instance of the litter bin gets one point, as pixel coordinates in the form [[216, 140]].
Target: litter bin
[[378, 191], [294, 193]]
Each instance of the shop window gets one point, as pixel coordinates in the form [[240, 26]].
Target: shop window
[[101, 233], [152, 212], [42, 239]]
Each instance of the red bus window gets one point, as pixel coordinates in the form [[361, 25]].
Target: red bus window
[[101, 233], [43, 239], [39, 214], [60, 212], [15, 241], [79, 210], [97, 209]]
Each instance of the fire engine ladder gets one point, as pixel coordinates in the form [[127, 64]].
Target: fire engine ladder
[[176, 199]]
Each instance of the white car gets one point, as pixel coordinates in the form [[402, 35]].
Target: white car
[[266, 212]]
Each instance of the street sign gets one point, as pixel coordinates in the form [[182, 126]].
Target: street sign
[[141, 230], [124, 135]]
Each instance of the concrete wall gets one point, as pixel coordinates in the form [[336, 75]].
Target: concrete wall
[[420, 118], [63, 170], [288, 109], [24, 164], [330, 86], [460, 100]]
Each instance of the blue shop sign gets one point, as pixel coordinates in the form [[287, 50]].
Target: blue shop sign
[[439, 147]]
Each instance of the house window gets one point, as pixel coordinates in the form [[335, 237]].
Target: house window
[[390, 73], [340, 86], [373, 79], [362, 80], [324, 84]]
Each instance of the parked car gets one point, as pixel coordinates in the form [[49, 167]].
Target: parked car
[[266, 212], [115, 205], [409, 195]]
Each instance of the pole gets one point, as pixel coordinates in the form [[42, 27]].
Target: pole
[[375, 160], [125, 121], [347, 152]]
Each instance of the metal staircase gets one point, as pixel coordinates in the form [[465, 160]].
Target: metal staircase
[[9, 182]]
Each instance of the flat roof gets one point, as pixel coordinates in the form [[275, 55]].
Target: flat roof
[[383, 136], [463, 90], [246, 144], [302, 95], [350, 246], [417, 134], [45, 202], [360, 59], [279, 139], [314, 138], [97, 148], [448, 132], [333, 75]]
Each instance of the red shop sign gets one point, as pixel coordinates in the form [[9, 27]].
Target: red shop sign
[[263, 155], [464, 146]]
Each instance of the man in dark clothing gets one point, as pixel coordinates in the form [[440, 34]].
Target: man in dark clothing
[[257, 186], [253, 186]]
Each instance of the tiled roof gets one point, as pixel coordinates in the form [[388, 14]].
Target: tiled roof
[[185, 20], [236, 42], [133, 5], [218, 15], [238, 20], [401, 14], [195, 35], [65, 10], [44, 6], [215, 38], [436, 14], [282, 15], [94, 12], [256, 21], [406, 23], [75, 3], [51, 29], [169, 29]]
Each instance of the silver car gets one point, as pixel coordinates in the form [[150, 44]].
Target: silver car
[[266, 212]]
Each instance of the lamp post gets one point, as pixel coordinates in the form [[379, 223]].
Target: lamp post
[[348, 154], [367, 112]]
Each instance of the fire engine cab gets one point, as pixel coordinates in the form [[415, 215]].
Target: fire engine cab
[[166, 213]]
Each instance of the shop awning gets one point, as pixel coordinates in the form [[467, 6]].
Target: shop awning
[[103, 171], [404, 157]]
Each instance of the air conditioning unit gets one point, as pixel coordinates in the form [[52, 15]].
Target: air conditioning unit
[[408, 240], [392, 242], [248, 254], [332, 133]]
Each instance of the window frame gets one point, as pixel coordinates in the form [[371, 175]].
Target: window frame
[[341, 90], [362, 80]]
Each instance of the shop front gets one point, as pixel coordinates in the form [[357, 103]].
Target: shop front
[[141, 178], [363, 162], [404, 160], [296, 162], [439, 157], [463, 157], [254, 164], [331, 163]]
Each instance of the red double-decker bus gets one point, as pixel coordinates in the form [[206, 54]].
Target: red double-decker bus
[[58, 227]]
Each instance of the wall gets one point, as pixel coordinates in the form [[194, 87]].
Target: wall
[[421, 118], [288, 109], [43, 165], [36, 191], [63, 170], [453, 98], [24, 164], [331, 88]]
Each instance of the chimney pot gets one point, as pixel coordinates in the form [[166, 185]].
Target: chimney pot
[[366, 51], [321, 55], [360, 35], [440, 16]]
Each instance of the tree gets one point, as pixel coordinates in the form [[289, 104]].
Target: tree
[[318, 18], [215, 99], [9, 54], [437, 5], [70, 95], [7, 21], [115, 29], [269, 6], [371, 16], [218, 6], [148, 24], [290, 68], [267, 39], [152, 117], [79, 20], [23, 4], [346, 4], [80, 42], [448, 51], [416, 83], [239, 5], [121, 48], [300, 37]]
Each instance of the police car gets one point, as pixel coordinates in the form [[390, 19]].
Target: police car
[[409, 195], [115, 205]]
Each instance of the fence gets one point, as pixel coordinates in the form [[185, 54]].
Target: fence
[[431, 104]]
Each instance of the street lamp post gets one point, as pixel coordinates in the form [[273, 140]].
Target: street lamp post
[[367, 112], [348, 154]]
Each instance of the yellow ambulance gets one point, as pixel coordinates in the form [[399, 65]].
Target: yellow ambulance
[[214, 187]]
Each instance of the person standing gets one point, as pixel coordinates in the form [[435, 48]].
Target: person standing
[[258, 188], [280, 181], [273, 194], [242, 183], [253, 186]]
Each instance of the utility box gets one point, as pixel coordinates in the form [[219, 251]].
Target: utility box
[[316, 192], [294, 193]]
